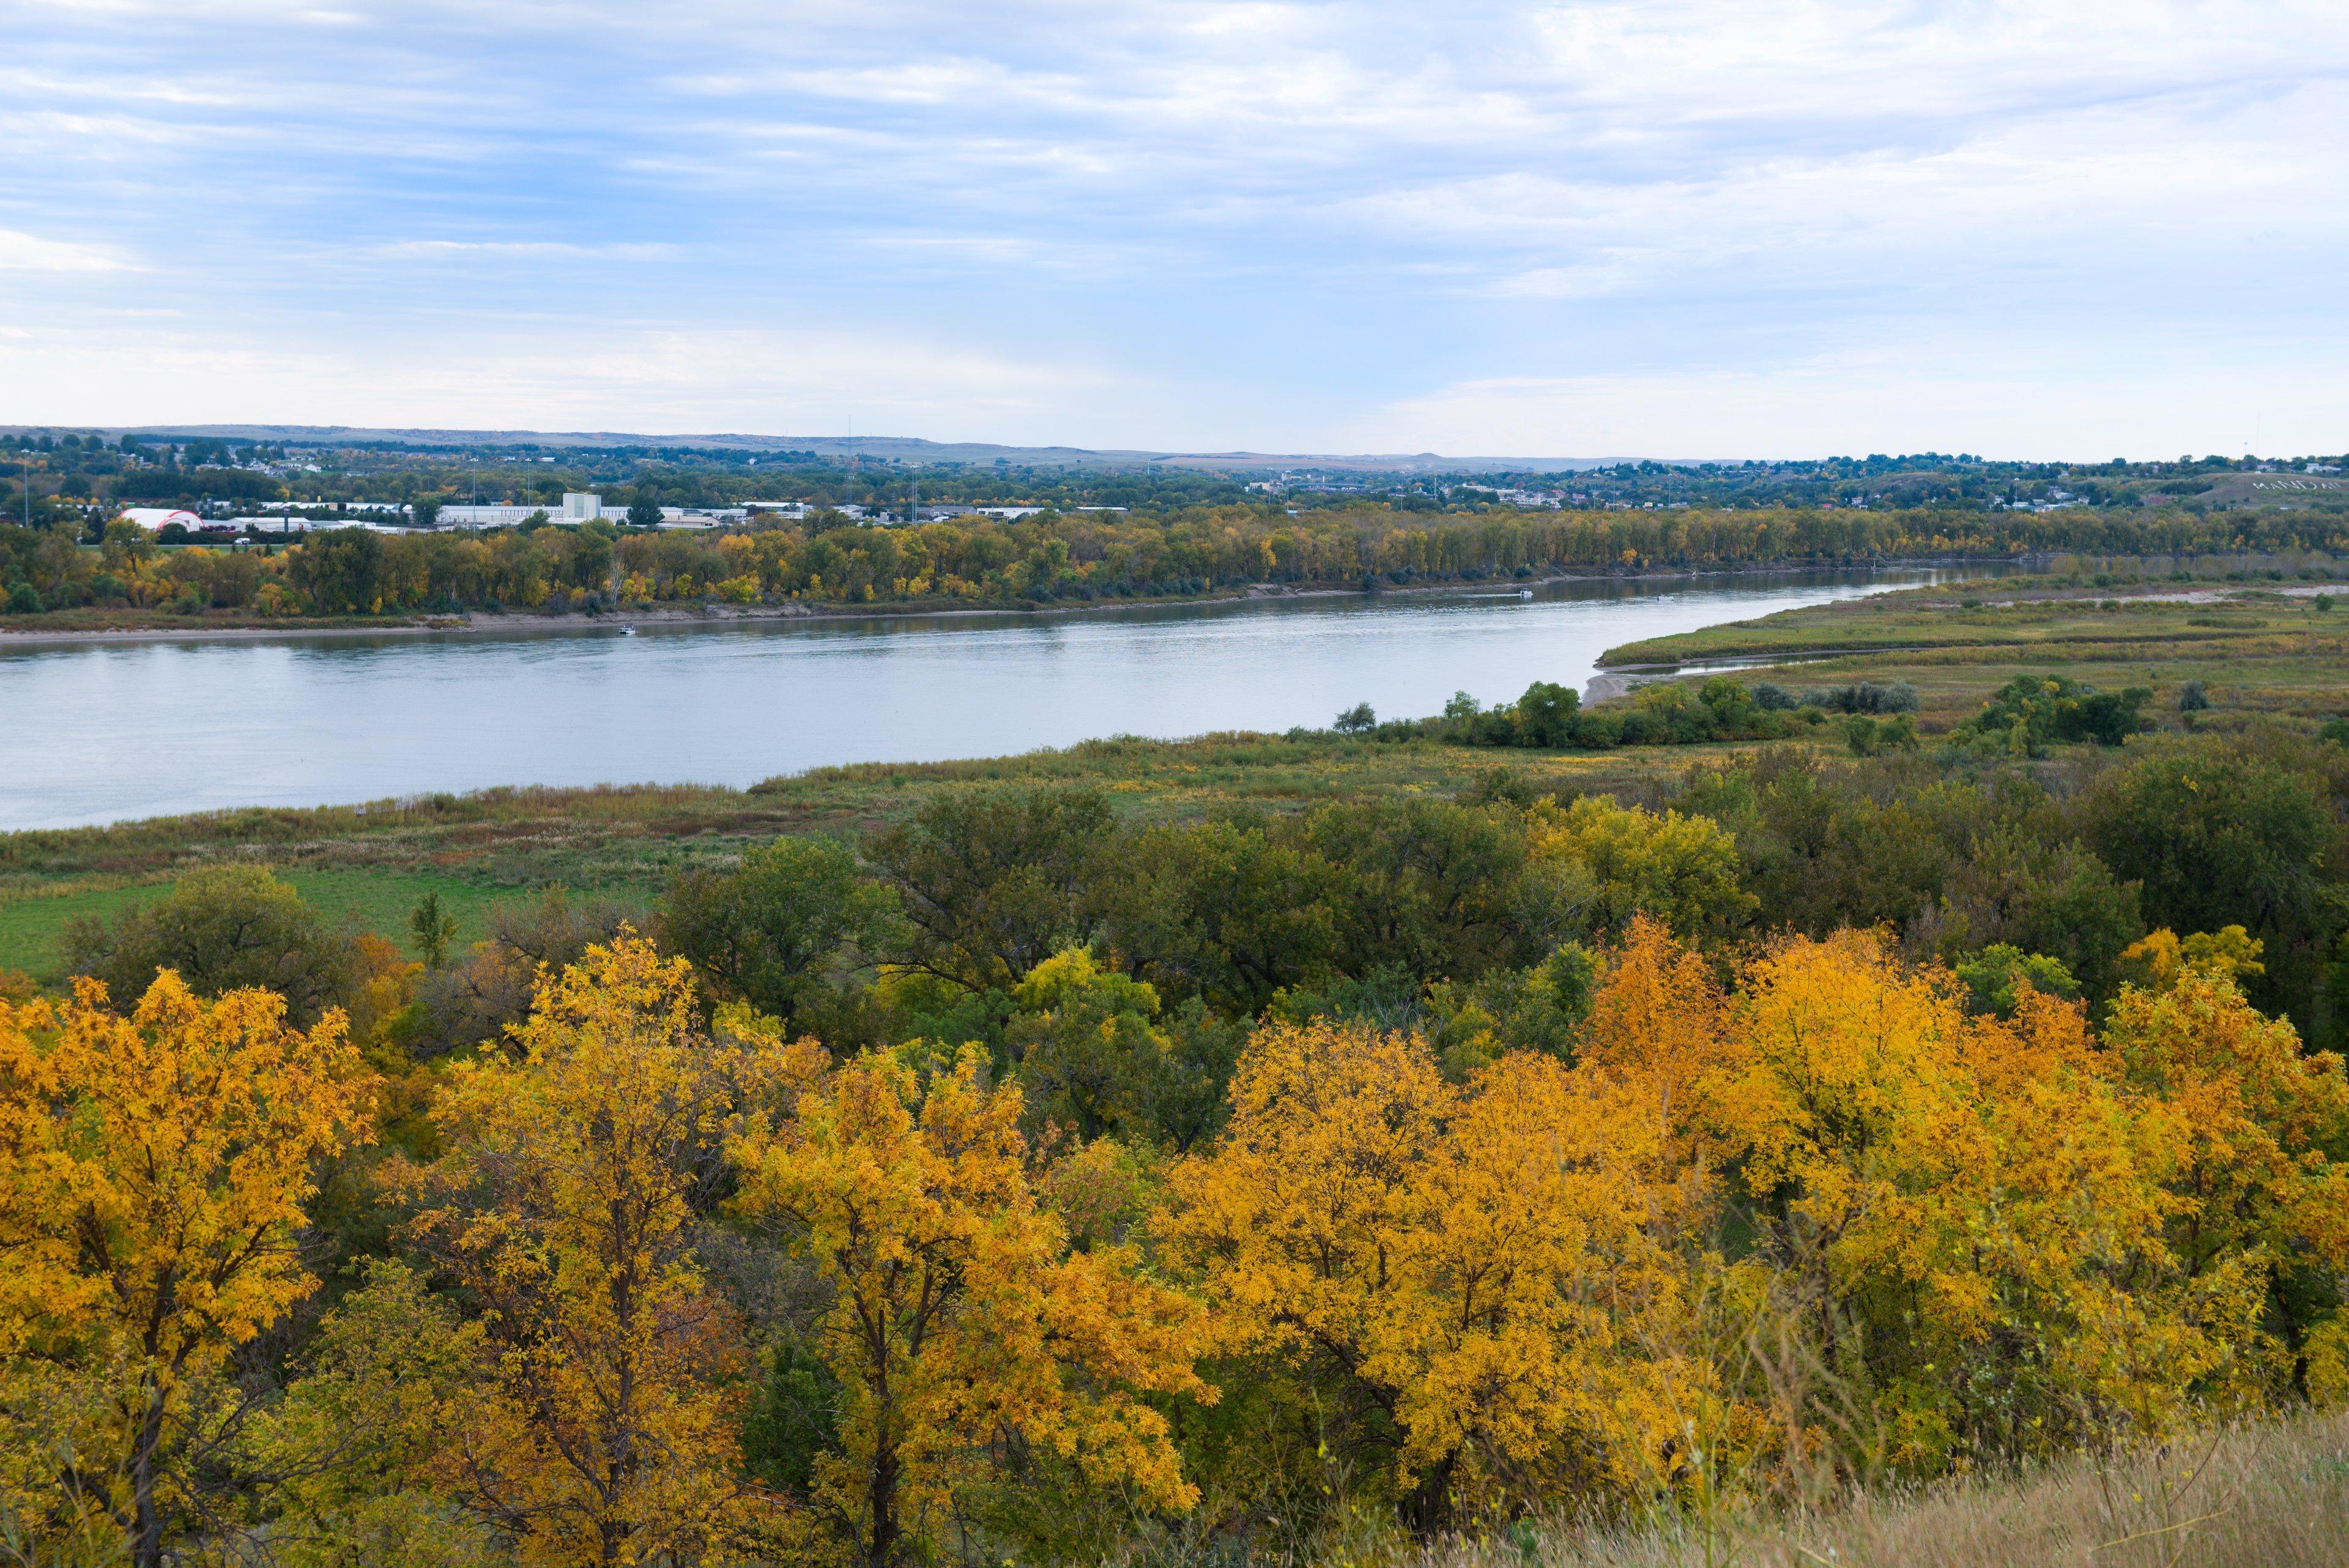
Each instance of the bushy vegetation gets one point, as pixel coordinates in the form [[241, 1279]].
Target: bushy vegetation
[[1025, 1178], [2027, 716], [1659, 715]]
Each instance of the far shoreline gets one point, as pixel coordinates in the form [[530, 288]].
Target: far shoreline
[[716, 617]]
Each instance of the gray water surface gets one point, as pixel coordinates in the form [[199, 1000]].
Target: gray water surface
[[99, 732]]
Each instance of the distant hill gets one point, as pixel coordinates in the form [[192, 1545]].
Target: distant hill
[[902, 448]]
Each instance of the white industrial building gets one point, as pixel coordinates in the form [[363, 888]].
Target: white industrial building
[[487, 516], [579, 506], [154, 519]]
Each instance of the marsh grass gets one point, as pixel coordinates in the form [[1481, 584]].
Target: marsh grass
[[2259, 654]]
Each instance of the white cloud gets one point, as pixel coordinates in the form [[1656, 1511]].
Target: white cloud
[[2005, 398], [21, 252], [634, 376]]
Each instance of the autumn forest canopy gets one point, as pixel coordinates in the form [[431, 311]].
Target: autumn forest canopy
[[1052, 558], [1029, 1177]]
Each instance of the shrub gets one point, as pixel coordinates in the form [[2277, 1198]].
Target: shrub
[[2030, 712], [221, 929], [1864, 697]]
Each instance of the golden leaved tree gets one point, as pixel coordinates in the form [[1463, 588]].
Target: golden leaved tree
[[962, 1324], [154, 1174], [2262, 1175], [566, 1205], [1474, 1273], [1973, 1222]]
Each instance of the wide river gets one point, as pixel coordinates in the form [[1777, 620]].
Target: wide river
[[103, 732]]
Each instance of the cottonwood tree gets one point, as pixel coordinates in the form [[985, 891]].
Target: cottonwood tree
[[154, 1175], [566, 1204], [1469, 1273], [962, 1326]]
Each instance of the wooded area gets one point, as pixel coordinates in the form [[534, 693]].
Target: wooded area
[[1024, 1169]]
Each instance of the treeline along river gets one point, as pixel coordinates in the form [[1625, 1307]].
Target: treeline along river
[[107, 730]]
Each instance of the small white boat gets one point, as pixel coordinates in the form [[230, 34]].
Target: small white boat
[[1525, 593], [628, 631]]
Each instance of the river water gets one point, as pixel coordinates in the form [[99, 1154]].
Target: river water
[[96, 732]]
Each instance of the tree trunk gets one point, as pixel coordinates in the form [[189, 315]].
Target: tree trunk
[[146, 1543], [1428, 1509], [882, 1500]]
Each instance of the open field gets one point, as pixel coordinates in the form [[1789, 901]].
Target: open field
[[2258, 651], [371, 899]]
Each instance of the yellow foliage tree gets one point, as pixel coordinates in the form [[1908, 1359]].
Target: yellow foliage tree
[[961, 1320], [1974, 1215], [1472, 1268], [566, 1205], [2161, 958], [2259, 1181], [1655, 1026], [1680, 870], [153, 1175]]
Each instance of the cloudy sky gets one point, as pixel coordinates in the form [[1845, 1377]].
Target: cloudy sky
[[1671, 228]]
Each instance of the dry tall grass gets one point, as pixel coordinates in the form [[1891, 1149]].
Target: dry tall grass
[[2271, 1495]]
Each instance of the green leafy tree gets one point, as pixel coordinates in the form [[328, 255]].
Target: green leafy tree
[[223, 928], [1997, 975], [1232, 910], [349, 1460], [992, 885], [341, 570], [2231, 835], [781, 930], [1434, 890], [1545, 714], [1085, 1045], [433, 928], [1629, 861]]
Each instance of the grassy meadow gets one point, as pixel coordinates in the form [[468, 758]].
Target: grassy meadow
[[2258, 652]]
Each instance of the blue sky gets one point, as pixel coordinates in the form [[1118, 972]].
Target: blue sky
[[1673, 228]]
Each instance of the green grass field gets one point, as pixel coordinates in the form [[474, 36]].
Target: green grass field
[[31, 917]]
